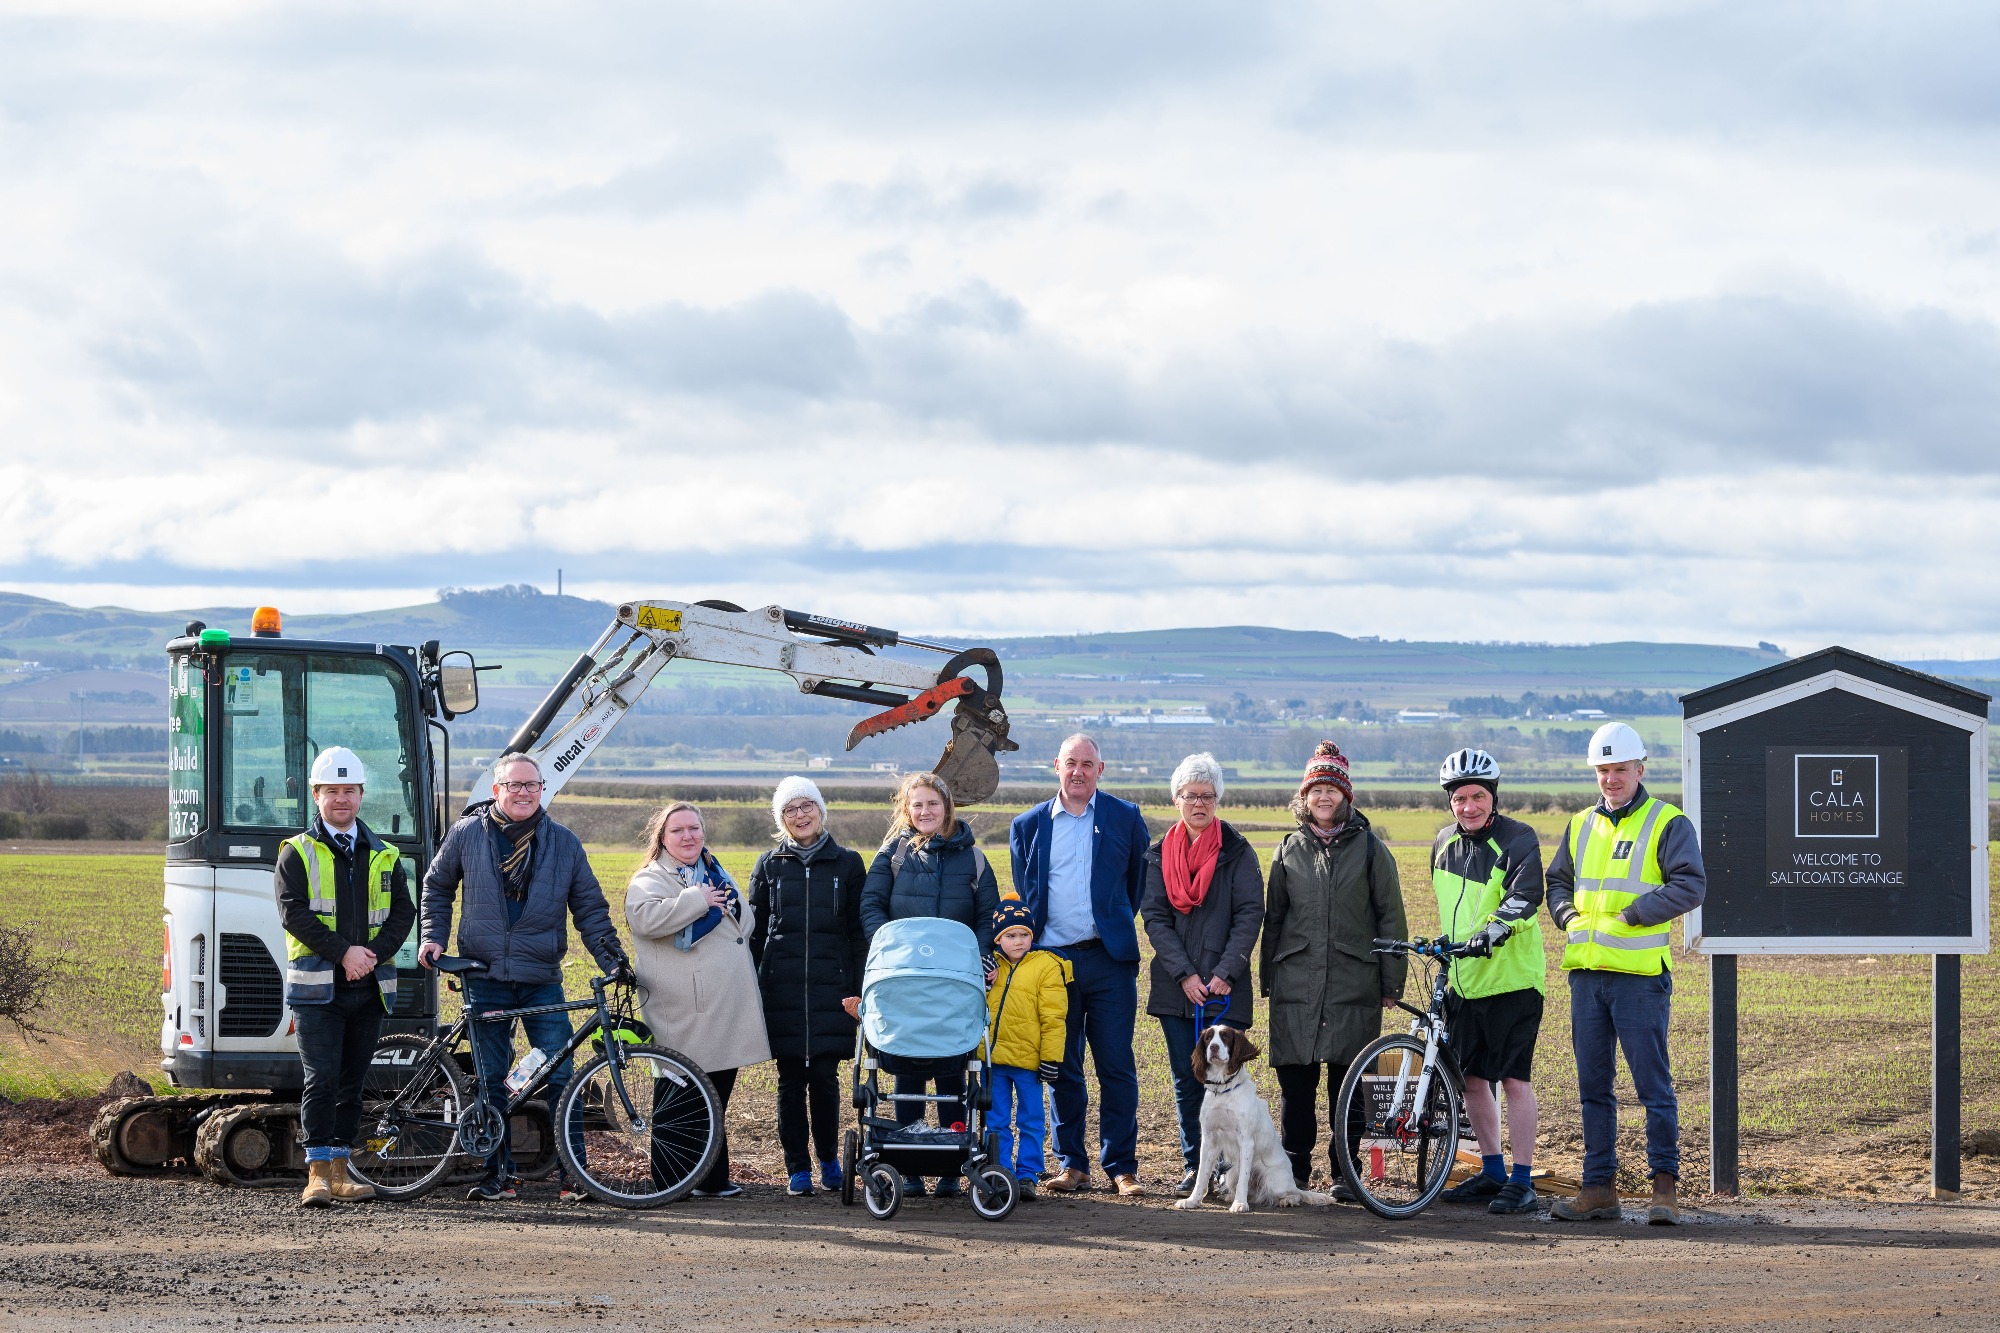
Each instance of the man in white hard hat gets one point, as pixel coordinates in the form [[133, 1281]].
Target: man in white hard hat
[[346, 908], [1624, 870]]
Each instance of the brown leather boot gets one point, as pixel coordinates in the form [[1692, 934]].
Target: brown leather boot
[[318, 1192], [345, 1188], [1593, 1202], [1665, 1210]]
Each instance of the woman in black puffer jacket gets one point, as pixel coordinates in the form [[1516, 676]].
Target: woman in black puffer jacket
[[930, 866], [808, 948]]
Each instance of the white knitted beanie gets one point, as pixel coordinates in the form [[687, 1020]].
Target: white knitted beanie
[[791, 789]]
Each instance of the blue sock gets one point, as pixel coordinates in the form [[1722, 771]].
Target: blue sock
[[319, 1154], [1495, 1165], [341, 1154], [1521, 1172]]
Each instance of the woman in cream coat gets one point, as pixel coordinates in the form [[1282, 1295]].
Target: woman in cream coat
[[690, 930]]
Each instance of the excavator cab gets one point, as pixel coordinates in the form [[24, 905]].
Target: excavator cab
[[246, 718]]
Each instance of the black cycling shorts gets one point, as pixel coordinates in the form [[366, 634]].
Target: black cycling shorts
[[1493, 1036]]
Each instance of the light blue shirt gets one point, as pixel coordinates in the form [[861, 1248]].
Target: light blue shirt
[[1071, 919]]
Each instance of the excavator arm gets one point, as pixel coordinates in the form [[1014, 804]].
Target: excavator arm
[[835, 659]]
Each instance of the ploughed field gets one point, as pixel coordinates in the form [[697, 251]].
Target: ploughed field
[[1834, 1051]]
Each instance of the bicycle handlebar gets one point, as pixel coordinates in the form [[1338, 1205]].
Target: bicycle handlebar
[[1438, 948]]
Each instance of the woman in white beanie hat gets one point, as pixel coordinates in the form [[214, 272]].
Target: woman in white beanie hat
[[809, 951]]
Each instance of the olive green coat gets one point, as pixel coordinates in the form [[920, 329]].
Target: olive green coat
[[1323, 910]]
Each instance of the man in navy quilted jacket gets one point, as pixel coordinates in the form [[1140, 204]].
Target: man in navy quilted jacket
[[525, 877]]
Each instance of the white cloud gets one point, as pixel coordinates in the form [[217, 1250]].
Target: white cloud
[[1650, 320]]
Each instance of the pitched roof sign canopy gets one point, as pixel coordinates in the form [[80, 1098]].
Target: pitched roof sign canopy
[[1841, 803]]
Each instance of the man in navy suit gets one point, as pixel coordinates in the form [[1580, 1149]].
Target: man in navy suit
[[1080, 866]]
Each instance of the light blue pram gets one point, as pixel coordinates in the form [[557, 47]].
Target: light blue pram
[[923, 997]]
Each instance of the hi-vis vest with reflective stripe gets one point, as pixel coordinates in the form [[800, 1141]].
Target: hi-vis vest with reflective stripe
[[309, 977], [1464, 907], [1614, 865]]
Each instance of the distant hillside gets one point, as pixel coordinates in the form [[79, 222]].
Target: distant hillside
[[1202, 658]]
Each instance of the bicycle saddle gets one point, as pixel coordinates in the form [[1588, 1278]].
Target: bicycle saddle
[[445, 962]]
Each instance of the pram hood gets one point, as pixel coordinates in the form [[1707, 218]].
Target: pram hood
[[923, 995]]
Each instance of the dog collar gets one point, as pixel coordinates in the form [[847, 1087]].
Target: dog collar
[[1225, 1085]]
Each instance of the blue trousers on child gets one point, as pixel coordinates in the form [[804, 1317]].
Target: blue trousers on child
[[1017, 1105]]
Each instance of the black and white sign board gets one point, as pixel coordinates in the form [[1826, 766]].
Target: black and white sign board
[[1841, 803]]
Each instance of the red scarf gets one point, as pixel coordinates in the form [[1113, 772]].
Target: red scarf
[[1188, 867]]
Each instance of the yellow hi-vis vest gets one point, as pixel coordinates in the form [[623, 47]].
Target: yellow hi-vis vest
[[309, 977], [1615, 863]]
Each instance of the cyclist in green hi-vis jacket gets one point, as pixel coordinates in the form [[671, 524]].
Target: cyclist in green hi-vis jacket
[[1487, 872]]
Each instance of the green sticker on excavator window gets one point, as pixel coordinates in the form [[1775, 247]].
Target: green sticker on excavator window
[[658, 617]]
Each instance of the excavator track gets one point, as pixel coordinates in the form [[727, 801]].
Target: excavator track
[[252, 1145], [153, 1136]]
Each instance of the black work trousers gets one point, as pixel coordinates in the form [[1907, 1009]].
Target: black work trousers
[[1299, 1114], [336, 1042], [718, 1175], [808, 1093]]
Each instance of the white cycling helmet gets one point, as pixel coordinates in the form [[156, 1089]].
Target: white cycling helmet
[[1614, 743], [337, 765], [1465, 766]]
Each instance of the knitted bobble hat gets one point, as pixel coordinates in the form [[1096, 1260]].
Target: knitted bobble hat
[[1328, 764], [1010, 913], [791, 789]]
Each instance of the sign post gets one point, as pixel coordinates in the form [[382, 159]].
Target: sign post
[[1841, 804]]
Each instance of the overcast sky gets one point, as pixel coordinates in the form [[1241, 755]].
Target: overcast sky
[[1531, 321]]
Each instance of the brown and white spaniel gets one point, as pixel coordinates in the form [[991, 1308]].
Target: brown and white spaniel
[[1236, 1129]]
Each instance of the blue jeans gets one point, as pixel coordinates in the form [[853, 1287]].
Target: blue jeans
[[1103, 1006], [1181, 1034], [1017, 1105], [1609, 1010], [495, 1046]]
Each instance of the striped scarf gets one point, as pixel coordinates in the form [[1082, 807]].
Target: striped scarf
[[519, 834]]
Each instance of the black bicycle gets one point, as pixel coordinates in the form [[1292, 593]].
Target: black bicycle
[[636, 1127], [1403, 1099]]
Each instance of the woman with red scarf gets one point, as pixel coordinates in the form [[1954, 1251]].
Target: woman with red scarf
[[1203, 907]]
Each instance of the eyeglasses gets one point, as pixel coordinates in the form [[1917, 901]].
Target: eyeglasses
[[1198, 798], [797, 808], [520, 786]]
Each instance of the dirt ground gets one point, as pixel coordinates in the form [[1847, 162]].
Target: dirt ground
[[80, 1250]]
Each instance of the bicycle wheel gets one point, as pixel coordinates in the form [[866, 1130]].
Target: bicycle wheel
[[651, 1153], [1399, 1153], [411, 1101]]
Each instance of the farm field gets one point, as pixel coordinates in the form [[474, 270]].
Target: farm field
[[1835, 1052]]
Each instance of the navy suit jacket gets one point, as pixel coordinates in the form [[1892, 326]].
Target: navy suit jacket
[[1117, 869]]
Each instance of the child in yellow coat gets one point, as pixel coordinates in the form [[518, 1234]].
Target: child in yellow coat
[[1027, 1010]]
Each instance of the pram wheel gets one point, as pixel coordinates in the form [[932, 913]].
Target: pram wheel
[[883, 1193], [994, 1193], [850, 1160]]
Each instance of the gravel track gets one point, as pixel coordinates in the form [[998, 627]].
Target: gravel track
[[80, 1250]]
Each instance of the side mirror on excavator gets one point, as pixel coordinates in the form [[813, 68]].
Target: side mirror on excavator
[[458, 684]]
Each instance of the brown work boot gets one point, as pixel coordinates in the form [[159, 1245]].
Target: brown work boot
[[345, 1188], [1128, 1186], [1665, 1209], [1068, 1181], [1591, 1203], [318, 1192]]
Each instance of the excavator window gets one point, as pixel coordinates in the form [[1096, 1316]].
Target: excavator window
[[279, 710]]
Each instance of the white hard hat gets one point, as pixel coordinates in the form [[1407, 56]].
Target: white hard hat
[[1614, 743], [336, 765]]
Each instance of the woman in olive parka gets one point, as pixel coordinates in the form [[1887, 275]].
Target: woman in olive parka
[[1333, 892]]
